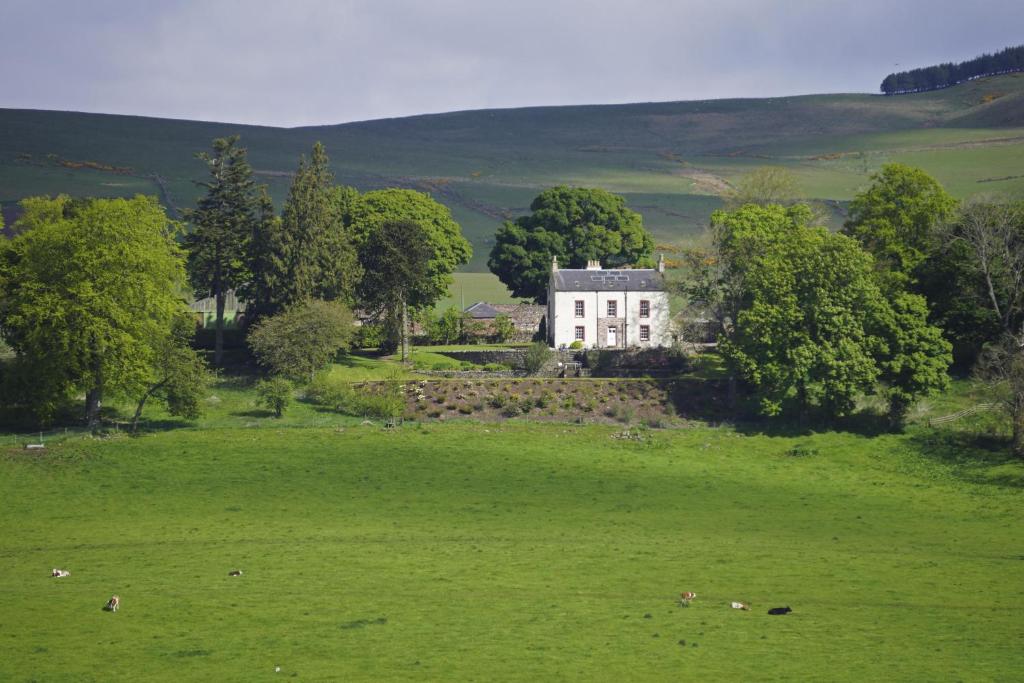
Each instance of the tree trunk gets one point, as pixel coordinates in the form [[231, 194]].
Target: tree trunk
[[218, 343], [93, 403], [142, 403], [1018, 431], [405, 331]]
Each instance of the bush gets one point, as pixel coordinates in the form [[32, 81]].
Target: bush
[[496, 401], [496, 367], [466, 409], [576, 345], [275, 393], [374, 399], [536, 357], [368, 336], [303, 339]]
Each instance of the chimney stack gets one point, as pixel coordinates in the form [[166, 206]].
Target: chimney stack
[[554, 263], [593, 265], [661, 263]]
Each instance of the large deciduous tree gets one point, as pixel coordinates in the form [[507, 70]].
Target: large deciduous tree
[[576, 225], [814, 328], [89, 290], [449, 249], [222, 223], [896, 219], [396, 259], [317, 253], [178, 375]]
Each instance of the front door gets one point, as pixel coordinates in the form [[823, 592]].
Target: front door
[[612, 333]]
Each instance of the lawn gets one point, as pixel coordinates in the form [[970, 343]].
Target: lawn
[[510, 551]]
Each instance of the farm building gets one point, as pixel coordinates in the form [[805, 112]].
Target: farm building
[[525, 317], [608, 309]]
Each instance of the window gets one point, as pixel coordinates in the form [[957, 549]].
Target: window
[[580, 333], [579, 308], [645, 308], [645, 333], [613, 309]]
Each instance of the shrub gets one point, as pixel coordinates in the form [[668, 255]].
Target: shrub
[[497, 367], [536, 357], [576, 345], [511, 410], [496, 401], [275, 393], [544, 400], [303, 339], [466, 409]]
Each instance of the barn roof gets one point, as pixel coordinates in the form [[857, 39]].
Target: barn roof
[[630, 280]]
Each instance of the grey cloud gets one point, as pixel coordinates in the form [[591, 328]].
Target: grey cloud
[[322, 61]]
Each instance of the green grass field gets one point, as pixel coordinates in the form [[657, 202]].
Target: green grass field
[[508, 551]]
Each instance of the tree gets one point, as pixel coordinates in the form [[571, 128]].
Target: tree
[[993, 234], [222, 224], [763, 186], [303, 339], [89, 290], [448, 327], [814, 328], [536, 357], [896, 219], [504, 328], [264, 262], [444, 236], [317, 253], [1001, 368], [178, 375], [396, 259], [576, 225], [275, 393]]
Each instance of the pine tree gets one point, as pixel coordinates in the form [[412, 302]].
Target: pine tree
[[264, 261], [221, 227]]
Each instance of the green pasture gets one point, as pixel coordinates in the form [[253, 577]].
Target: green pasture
[[512, 551]]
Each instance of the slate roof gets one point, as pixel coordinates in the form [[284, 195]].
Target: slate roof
[[580, 280], [521, 314]]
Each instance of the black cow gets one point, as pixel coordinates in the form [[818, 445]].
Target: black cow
[[779, 610]]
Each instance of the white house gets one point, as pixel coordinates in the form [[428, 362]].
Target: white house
[[608, 309]]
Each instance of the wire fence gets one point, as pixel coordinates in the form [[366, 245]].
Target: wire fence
[[973, 410]]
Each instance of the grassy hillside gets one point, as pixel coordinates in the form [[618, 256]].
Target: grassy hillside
[[507, 552], [671, 160]]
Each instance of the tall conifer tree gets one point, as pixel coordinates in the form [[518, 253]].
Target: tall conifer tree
[[221, 227], [318, 256]]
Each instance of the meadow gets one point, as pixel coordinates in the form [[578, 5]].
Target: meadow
[[512, 550]]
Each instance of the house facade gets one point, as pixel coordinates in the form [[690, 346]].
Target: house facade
[[608, 309]]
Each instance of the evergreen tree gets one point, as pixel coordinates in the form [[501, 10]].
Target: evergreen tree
[[264, 261], [222, 224], [318, 257]]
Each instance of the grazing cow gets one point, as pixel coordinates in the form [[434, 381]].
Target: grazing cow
[[741, 605], [60, 573], [685, 598], [779, 610], [235, 572], [113, 604]]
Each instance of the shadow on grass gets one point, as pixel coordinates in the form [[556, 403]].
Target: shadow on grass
[[256, 412], [975, 457]]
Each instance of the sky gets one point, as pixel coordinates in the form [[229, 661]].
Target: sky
[[312, 62]]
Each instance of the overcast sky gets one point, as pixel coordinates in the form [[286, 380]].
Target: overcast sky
[[303, 62]]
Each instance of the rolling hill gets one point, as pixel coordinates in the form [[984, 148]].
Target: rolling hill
[[671, 160]]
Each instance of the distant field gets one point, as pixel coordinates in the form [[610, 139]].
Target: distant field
[[672, 160], [472, 287]]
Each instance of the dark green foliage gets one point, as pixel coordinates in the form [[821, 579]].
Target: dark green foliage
[[275, 393], [396, 258], [264, 262], [944, 75], [814, 328], [576, 225], [317, 253], [449, 249], [303, 339], [222, 224]]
